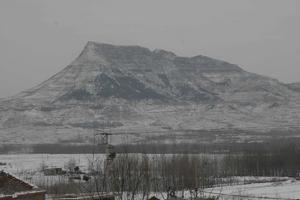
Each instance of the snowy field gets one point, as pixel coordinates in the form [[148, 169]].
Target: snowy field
[[282, 189], [289, 189], [29, 166], [22, 163], [28, 163]]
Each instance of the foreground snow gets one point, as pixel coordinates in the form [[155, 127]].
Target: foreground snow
[[289, 189]]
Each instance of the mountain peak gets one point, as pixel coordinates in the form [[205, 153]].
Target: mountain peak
[[164, 53], [103, 53], [109, 48], [145, 73], [94, 52]]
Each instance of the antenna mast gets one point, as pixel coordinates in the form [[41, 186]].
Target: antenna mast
[[109, 149]]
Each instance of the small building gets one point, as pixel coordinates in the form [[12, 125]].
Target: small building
[[13, 188], [54, 171]]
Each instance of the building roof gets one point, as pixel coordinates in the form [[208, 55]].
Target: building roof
[[10, 184], [154, 198]]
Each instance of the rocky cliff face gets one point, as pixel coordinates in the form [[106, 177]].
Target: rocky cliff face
[[145, 95]]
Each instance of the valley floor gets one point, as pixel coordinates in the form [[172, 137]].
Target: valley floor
[[28, 166]]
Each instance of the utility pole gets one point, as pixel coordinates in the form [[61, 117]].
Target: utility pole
[[110, 156], [109, 149]]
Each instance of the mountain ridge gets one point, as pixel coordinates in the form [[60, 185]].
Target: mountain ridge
[[134, 89], [294, 86]]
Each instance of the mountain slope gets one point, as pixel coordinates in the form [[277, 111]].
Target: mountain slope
[[132, 90], [294, 86]]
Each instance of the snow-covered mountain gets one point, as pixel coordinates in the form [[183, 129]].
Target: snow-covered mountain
[[143, 95], [294, 86]]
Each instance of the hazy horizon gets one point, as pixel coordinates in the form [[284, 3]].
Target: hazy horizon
[[40, 38]]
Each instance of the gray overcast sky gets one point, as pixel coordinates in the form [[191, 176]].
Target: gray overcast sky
[[39, 38]]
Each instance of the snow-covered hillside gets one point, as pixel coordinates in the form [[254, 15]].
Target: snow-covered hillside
[[146, 95]]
